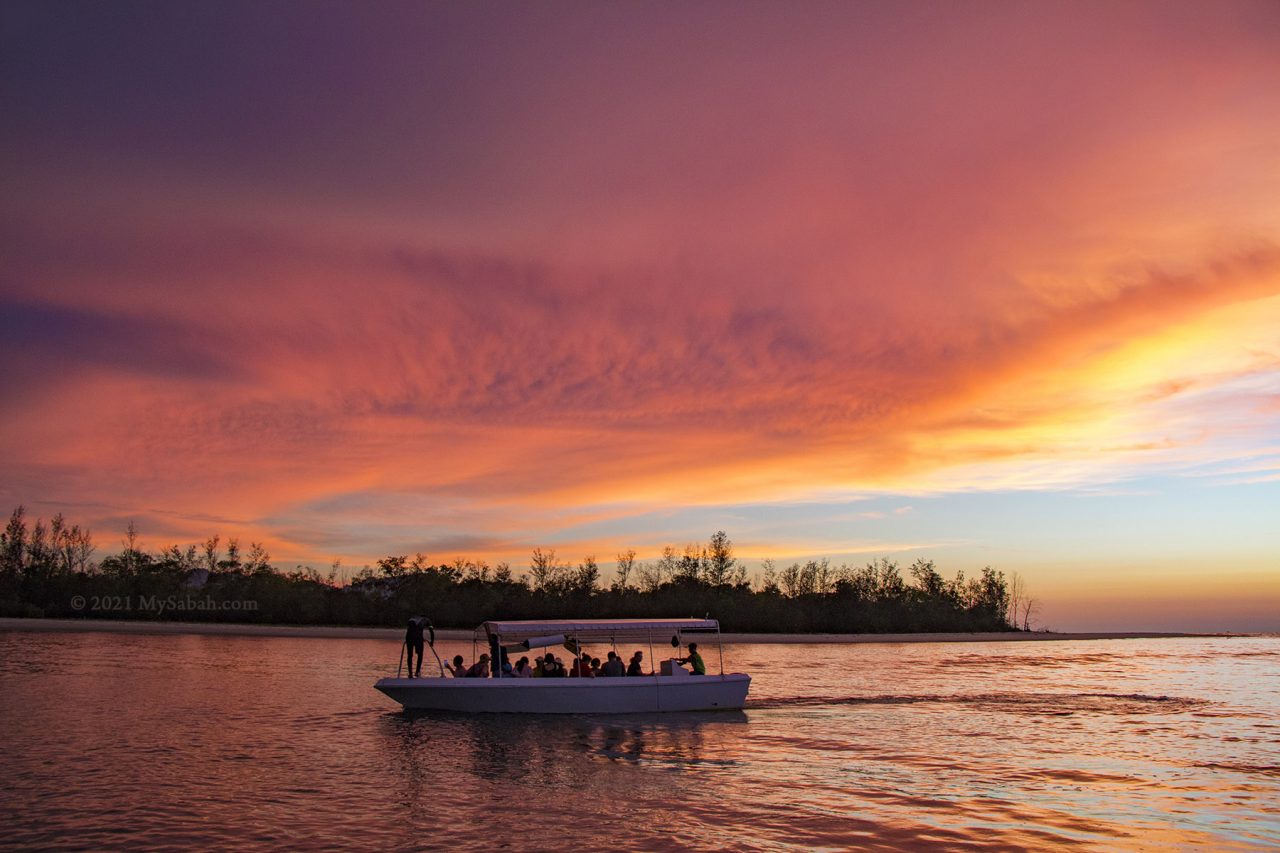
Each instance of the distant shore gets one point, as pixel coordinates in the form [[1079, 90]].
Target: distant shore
[[112, 626]]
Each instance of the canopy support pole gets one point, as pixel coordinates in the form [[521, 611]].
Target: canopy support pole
[[657, 682], [720, 647], [431, 641]]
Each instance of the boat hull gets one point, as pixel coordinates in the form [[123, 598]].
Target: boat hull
[[645, 694]]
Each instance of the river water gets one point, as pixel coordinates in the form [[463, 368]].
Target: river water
[[144, 742]]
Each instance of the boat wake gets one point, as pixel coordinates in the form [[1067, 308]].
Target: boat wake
[[1049, 704]]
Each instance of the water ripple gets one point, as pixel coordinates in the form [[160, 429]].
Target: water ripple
[[1022, 703]]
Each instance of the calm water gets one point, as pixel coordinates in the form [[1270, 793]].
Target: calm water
[[162, 742]]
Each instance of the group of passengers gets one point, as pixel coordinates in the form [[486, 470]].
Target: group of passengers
[[550, 666]]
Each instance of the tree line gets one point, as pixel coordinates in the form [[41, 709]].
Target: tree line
[[47, 569]]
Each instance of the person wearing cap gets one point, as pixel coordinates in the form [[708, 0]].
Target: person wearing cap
[[694, 660]]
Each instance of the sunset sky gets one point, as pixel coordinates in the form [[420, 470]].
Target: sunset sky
[[991, 283]]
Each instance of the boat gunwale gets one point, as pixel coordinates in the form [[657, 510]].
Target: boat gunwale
[[509, 683]]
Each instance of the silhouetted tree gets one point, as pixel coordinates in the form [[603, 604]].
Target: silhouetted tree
[[721, 567], [211, 553], [41, 571], [258, 560], [769, 576], [626, 564], [132, 558], [393, 567], [232, 561], [927, 579], [689, 568], [547, 571], [1021, 605], [13, 544], [586, 576]]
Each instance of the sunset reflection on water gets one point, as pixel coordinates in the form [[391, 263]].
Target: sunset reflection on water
[[155, 741]]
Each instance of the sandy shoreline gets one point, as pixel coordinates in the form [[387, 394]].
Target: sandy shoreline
[[363, 633]]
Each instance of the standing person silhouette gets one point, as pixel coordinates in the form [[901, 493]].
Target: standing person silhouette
[[415, 642]]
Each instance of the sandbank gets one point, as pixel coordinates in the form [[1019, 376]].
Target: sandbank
[[113, 626]]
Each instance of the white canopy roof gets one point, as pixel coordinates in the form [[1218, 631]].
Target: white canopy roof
[[601, 628]]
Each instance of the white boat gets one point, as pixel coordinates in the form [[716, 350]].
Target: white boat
[[671, 688]]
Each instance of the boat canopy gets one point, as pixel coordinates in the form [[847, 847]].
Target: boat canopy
[[602, 629]]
